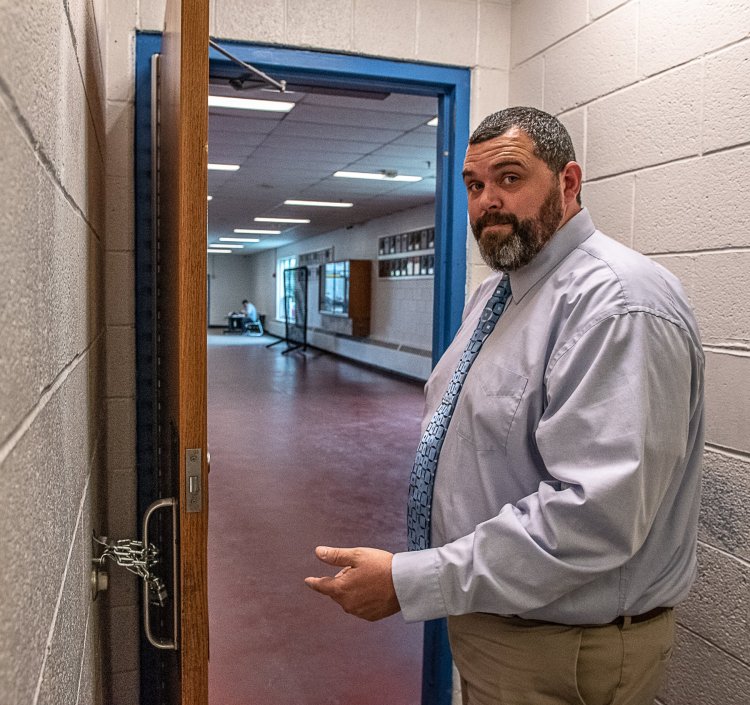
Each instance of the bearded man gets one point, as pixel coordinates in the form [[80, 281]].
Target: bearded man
[[553, 505]]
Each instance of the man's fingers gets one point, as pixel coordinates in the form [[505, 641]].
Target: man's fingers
[[321, 585], [337, 556]]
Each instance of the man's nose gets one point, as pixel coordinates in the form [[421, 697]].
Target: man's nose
[[491, 198]]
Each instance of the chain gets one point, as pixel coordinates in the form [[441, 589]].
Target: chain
[[132, 556]]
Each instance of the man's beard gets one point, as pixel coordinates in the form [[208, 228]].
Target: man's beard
[[507, 253]]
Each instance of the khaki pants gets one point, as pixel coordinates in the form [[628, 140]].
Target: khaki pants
[[511, 661]]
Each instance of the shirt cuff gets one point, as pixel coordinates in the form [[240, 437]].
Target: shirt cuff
[[416, 578]]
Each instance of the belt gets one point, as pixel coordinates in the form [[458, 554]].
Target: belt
[[637, 618], [622, 620]]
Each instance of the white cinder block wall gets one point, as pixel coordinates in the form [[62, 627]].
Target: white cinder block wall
[[52, 437], [656, 94]]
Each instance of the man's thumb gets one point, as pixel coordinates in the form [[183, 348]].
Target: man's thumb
[[335, 556]]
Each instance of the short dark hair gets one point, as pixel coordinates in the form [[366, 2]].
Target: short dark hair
[[552, 143]]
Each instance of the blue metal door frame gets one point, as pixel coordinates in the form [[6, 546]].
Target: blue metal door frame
[[451, 86]]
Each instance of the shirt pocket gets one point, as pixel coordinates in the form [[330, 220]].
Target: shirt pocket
[[488, 404]]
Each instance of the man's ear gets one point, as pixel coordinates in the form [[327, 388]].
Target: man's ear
[[571, 177]]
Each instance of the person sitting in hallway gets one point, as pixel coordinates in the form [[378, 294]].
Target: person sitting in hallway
[[251, 320]]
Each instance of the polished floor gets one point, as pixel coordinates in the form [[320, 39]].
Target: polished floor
[[305, 450]]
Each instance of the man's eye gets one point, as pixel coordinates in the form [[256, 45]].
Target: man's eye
[[474, 186], [510, 179]]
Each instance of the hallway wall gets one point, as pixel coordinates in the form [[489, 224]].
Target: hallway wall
[[53, 138], [656, 94]]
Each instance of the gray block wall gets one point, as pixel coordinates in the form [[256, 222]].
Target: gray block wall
[[52, 434], [656, 94]]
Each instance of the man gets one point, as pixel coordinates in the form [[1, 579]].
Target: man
[[563, 517]]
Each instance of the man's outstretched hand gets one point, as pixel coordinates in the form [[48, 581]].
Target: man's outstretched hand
[[363, 587]]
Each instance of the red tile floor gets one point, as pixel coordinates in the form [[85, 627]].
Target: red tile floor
[[305, 450]]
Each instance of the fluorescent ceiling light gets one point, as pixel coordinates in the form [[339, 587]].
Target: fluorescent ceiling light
[[433, 122], [323, 204], [219, 252], [250, 231], [223, 244], [274, 106], [377, 176], [239, 239], [281, 220], [210, 198], [223, 167]]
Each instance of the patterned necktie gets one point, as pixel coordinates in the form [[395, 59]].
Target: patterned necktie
[[422, 480]]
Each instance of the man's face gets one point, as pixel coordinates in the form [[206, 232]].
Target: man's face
[[515, 201]]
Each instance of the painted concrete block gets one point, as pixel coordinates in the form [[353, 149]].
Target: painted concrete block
[[672, 32], [575, 123], [597, 8], [124, 650], [610, 203], [320, 23], [604, 53], [538, 24], [126, 688], [675, 211], [62, 668], [387, 28], [151, 15], [728, 401], [494, 35], [717, 606], [447, 32], [30, 67], [725, 515], [623, 135], [22, 352], [120, 49], [120, 361], [120, 434], [90, 691], [251, 20], [489, 93], [702, 674], [120, 294], [120, 138], [45, 475], [120, 215], [717, 285], [527, 83], [726, 103]]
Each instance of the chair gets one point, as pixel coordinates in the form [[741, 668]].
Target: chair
[[252, 326]]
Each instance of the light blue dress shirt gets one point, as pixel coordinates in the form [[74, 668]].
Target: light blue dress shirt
[[568, 484]]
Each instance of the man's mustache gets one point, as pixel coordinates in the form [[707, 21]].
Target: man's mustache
[[494, 218]]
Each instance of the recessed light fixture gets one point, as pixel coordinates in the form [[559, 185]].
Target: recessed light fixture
[[281, 220], [223, 244], [322, 204], [384, 175], [274, 106], [252, 231], [219, 252], [239, 239], [210, 198], [433, 122], [223, 167]]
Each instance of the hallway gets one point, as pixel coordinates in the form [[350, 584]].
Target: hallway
[[305, 450]]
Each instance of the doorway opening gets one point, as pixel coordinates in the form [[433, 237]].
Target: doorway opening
[[450, 87]]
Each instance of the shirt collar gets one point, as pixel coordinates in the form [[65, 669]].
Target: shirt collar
[[562, 243]]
